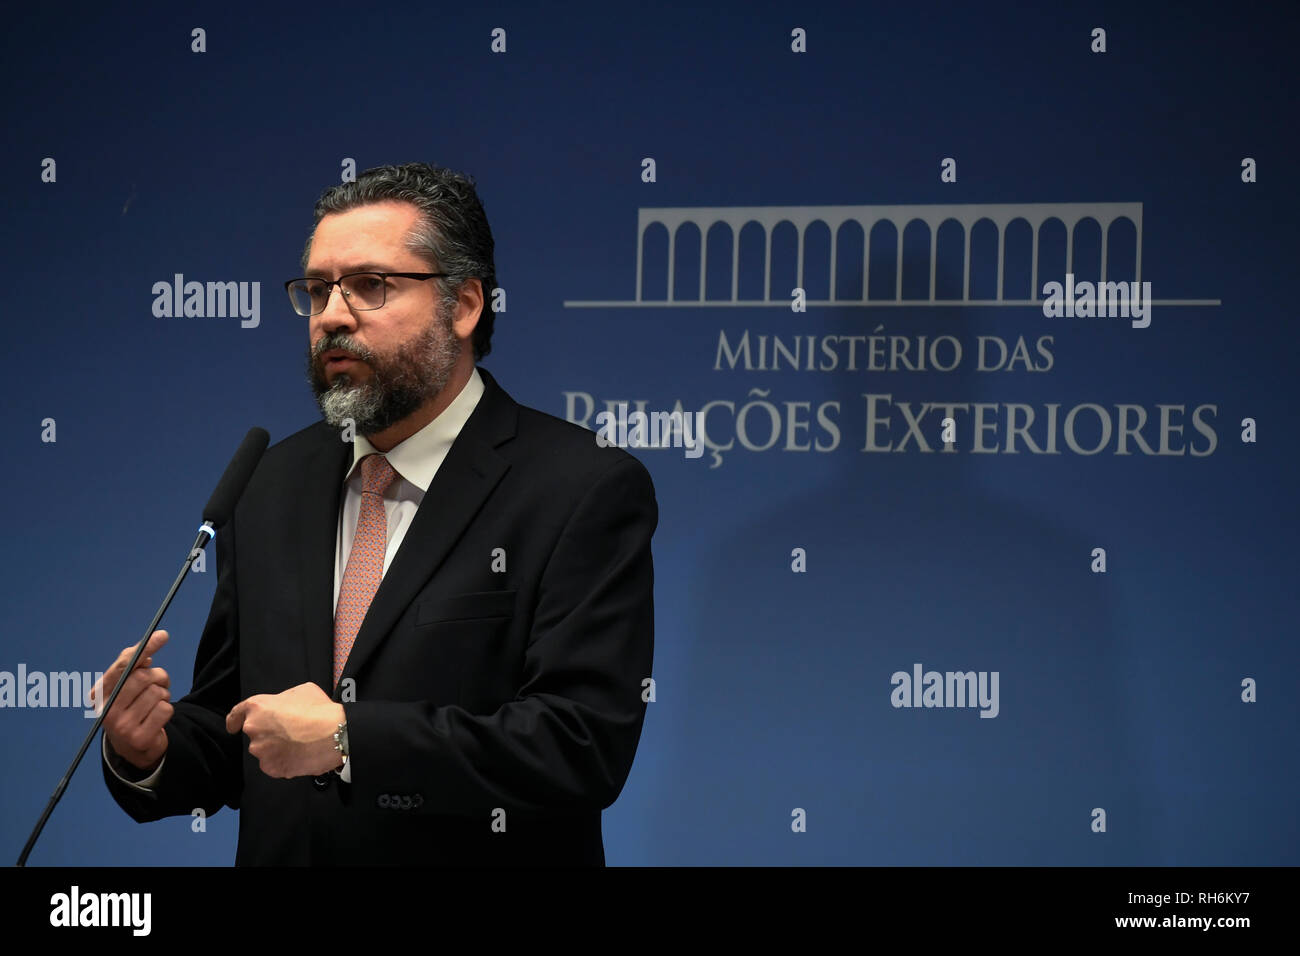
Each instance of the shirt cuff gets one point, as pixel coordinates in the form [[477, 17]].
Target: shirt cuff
[[113, 760]]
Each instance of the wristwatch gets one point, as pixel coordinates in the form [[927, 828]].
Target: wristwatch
[[341, 745]]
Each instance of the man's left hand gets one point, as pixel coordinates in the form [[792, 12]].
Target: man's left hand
[[292, 733]]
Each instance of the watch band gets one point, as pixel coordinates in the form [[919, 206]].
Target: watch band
[[341, 745]]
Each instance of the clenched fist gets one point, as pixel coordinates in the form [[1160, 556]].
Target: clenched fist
[[291, 733]]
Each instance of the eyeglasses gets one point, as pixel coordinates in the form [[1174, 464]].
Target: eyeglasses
[[364, 290]]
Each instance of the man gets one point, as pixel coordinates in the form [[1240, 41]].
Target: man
[[428, 643]]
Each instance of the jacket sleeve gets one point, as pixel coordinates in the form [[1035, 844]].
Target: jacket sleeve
[[565, 744], [203, 764]]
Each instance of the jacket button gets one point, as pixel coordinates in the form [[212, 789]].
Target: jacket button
[[322, 782], [383, 801]]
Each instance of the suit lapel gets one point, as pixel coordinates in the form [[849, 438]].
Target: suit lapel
[[469, 473]]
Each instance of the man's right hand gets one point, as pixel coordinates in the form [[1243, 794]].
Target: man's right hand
[[134, 727]]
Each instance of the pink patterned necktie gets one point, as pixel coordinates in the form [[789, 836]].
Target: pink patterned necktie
[[366, 562]]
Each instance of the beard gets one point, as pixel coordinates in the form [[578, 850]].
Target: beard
[[399, 383]]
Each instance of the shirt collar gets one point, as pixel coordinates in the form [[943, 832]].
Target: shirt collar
[[417, 458]]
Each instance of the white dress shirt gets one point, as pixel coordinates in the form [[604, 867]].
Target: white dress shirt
[[416, 460]]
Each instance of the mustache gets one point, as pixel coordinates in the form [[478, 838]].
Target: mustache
[[344, 342]]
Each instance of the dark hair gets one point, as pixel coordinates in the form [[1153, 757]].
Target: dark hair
[[452, 232]]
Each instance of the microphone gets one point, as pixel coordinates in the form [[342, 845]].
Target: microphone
[[235, 480], [220, 508]]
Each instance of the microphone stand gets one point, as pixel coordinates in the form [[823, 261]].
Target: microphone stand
[[206, 534]]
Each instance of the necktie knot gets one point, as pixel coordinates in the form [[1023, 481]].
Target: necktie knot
[[376, 475]]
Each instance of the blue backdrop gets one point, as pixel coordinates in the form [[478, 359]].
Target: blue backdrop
[[659, 181]]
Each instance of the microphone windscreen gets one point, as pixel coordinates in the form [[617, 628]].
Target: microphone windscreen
[[222, 503]]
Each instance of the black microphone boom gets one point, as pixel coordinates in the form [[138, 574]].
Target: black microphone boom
[[221, 506]]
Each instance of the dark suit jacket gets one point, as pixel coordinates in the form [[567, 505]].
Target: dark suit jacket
[[483, 698]]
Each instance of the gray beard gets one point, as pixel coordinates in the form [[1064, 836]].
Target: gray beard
[[398, 386]]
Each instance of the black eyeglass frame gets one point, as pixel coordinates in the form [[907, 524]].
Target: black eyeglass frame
[[330, 284]]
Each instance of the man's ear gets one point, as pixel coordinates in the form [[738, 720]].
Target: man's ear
[[469, 307]]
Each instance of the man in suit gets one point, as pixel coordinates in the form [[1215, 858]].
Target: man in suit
[[434, 609]]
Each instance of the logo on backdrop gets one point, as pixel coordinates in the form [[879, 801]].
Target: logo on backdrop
[[865, 246]]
